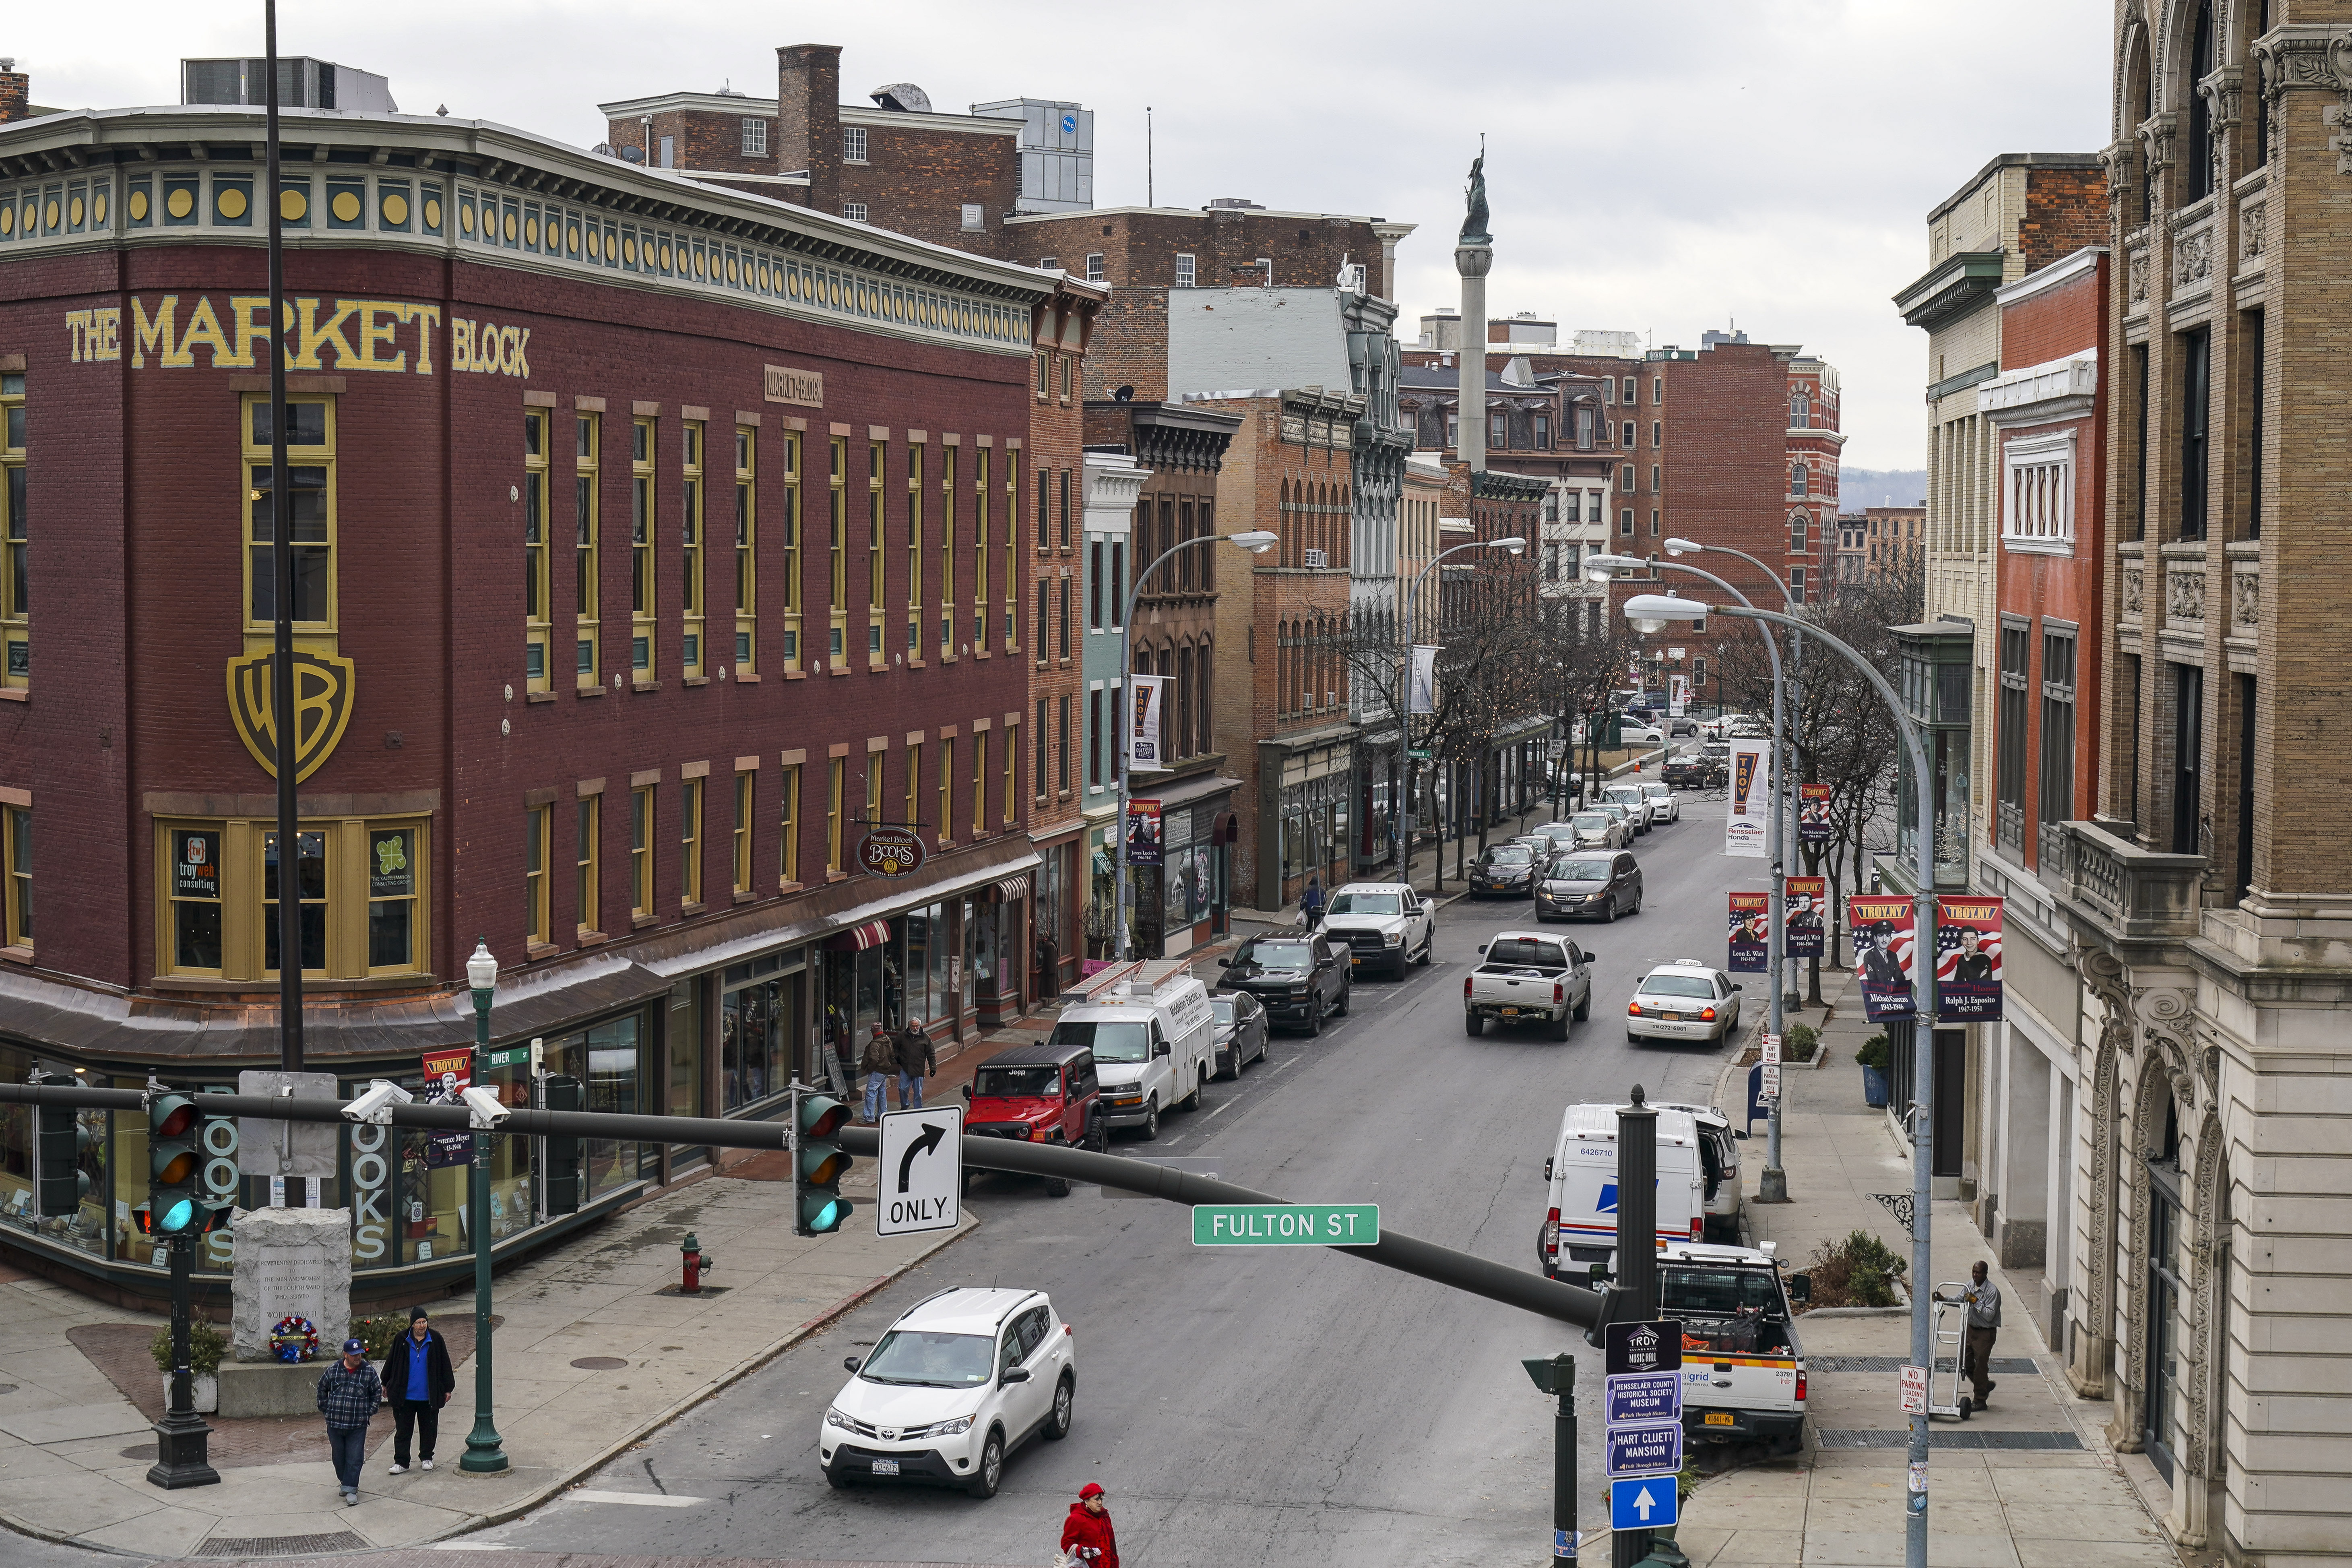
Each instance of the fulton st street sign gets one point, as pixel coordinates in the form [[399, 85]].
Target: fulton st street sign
[[1286, 1224]]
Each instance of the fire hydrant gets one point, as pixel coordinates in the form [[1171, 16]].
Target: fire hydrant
[[696, 1262]]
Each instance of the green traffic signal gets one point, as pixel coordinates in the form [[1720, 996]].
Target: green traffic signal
[[174, 1162], [818, 1207]]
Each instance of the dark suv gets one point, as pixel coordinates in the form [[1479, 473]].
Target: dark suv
[[1037, 1093], [1299, 974]]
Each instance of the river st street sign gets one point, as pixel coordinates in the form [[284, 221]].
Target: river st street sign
[[1286, 1224]]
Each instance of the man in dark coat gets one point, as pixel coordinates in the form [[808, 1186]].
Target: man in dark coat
[[418, 1380], [916, 1060]]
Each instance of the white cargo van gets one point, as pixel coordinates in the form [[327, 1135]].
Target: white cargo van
[[1581, 1228], [1154, 1038]]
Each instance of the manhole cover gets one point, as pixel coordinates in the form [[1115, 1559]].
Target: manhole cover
[[140, 1451], [280, 1546], [600, 1364]]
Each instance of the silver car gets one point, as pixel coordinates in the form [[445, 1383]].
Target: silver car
[[1598, 829], [1684, 1000]]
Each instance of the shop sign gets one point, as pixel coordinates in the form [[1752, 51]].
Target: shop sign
[[890, 852], [195, 865], [322, 707]]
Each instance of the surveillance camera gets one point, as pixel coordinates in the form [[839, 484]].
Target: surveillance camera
[[373, 1104], [484, 1107]]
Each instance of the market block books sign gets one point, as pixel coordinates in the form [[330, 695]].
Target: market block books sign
[[322, 707]]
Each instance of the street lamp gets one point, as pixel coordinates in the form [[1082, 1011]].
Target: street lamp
[[1513, 544], [1257, 542], [1650, 611], [484, 1454], [1772, 1185]]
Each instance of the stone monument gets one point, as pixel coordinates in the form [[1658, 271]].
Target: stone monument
[[1473, 257], [291, 1263]]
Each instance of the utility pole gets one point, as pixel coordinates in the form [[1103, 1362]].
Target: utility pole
[[285, 719], [1637, 1256]]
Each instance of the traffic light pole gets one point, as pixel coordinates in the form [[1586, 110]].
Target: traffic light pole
[[182, 1440], [1563, 1461]]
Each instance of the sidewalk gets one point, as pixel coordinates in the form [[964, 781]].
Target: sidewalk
[[2027, 1483], [592, 1353]]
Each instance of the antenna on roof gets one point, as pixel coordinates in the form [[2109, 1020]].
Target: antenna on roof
[[1148, 186]]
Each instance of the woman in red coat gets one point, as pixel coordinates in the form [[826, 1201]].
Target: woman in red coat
[[1086, 1534]]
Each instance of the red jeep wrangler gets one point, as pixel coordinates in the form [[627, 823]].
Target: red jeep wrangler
[[1040, 1093]]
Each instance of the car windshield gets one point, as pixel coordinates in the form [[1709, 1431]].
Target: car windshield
[[1625, 794], [1363, 904], [1510, 854], [1278, 954], [1526, 950], [1679, 985], [1691, 1293], [919, 1358], [1222, 1007], [1655, 789], [1017, 1083], [1591, 822], [1615, 810], [1579, 871], [1110, 1040]]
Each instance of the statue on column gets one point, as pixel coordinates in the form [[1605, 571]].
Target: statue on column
[[1474, 226]]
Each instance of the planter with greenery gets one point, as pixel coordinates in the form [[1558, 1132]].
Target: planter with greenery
[[1859, 1271], [1800, 1043], [207, 1347], [1875, 1056]]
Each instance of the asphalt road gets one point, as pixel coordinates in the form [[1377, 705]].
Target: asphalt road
[[1253, 1404]]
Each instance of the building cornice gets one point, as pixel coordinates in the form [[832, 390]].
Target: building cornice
[[2066, 269], [1956, 286]]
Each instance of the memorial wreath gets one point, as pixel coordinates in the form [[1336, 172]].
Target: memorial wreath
[[294, 1340]]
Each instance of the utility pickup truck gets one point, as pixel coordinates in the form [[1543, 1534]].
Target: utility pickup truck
[[1743, 1366], [1528, 977]]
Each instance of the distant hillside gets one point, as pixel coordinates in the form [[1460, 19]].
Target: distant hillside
[[1860, 488]]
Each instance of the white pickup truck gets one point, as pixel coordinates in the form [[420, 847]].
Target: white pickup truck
[[1743, 1365], [1528, 977], [1385, 925]]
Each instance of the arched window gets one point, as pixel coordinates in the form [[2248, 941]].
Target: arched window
[[1204, 699], [1796, 478], [1180, 715], [2197, 158], [1800, 412]]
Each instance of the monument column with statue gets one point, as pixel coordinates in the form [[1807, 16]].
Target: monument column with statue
[[1473, 256]]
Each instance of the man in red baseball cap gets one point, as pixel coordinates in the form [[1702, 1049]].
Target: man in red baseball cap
[[1086, 1535]]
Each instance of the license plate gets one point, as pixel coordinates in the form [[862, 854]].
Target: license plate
[[890, 1466], [1510, 1012], [1356, 958], [1714, 1419], [1672, 1017]]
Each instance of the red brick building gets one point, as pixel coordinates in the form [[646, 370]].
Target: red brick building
[[653, 540]]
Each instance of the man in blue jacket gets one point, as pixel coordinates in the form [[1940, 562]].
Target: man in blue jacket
[[418, 1380]]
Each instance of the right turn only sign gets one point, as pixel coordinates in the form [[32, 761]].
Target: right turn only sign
[[920, 1173]]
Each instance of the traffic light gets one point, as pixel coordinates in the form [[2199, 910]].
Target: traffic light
[[563, 1153], [818, 1164], [63, 1141], [172, 1164]]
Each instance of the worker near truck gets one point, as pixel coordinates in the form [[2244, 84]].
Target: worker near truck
[[1983, 1297]]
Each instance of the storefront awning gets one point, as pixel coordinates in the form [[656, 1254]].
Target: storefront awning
[[857, 938], [1013, 888]]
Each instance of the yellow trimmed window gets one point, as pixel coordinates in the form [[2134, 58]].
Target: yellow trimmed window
[[585, 437], [946, 817], [742, 855], [537, 826], [788, 827], [310, 498], [689, 812], [363, 888], [836, 780], [641, 551], [914, 555], [838, 586], [641, 851], [15, 540], [876, 579], [979, 783], [979, 561], [691, 643], [786, 534], [591, 824], [1012, 532], [947, 553], [746, 553], [1011, 747], [537, 637], [914, 786], [17, 876]]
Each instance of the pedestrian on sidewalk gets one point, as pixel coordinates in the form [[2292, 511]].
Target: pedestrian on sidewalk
[[418, 1380], [879, 1063], [350, 1394], [1310, 904], [916, 1058], [1983, 1297], [1087, 1537]]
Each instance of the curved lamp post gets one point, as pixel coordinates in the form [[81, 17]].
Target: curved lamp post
[[1513, 545], [1257, 542], [485, 1453], [1651, 612]]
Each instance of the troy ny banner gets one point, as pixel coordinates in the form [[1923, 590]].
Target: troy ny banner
[[1746, 825]]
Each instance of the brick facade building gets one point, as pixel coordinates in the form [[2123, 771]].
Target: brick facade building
[[622, 516]]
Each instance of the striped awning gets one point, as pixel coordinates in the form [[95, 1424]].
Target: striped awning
[[857, 938], [1014, 887]]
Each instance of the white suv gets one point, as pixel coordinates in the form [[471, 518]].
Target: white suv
[[1684, 1000], [960, 1381]]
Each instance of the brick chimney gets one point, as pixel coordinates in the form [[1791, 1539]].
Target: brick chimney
[[16, 92], [808, 120]]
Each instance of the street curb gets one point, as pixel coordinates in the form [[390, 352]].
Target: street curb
[[518, 1507]]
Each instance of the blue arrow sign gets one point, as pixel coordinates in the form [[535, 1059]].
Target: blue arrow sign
[[1648, 1451], [1644, 1396], [1650, 1504]]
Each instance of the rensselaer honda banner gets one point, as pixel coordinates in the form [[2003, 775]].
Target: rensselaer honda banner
[[1143, 753], [1744, 826], [1968, 960]]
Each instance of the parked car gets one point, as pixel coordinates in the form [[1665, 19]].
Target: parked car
[[1299, 975], [1697, 771], [1665, 805], [960, 1381], [1508, 869], [1678, 727], [1579, 1223], [1557, 835], [1744, 1366], [1636, 821], [1634, 734], [1723, 726], [1718, 1152], [1042, 1092], [1528, 977], [1684, 1000], [1636, 801], [1385, 925], [1242, 1031], [1590, 884], [1600, 830]]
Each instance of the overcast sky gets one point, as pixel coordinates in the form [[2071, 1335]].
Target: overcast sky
[[1659, 167]]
